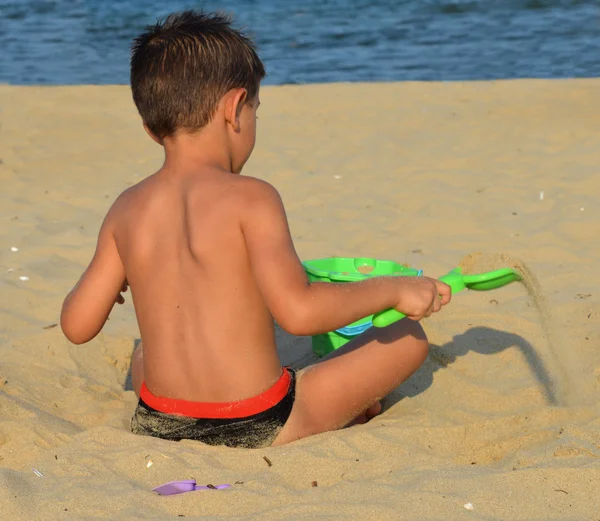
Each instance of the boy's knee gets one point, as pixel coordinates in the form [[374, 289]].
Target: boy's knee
[[422, 351], [416, 330], [419, 345], [422, 343], [406, 328]]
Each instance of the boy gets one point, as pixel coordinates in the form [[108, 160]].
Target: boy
[[210, 262]]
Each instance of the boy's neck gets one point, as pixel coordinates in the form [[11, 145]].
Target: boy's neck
[[187, 153]]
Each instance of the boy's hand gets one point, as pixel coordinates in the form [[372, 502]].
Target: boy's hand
[[120, 299], [419, 297]]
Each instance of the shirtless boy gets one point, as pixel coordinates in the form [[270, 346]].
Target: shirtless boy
[[210, 262]]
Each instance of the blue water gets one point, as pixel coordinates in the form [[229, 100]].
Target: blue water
[[87, 41]]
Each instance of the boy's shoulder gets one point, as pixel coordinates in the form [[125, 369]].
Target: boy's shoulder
[[123, 205], [254, 189], [125, 198]]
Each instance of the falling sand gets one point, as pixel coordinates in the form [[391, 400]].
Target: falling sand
[[568, 386]]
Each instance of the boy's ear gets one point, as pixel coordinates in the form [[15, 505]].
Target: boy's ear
[[234, 103], [152, 135]]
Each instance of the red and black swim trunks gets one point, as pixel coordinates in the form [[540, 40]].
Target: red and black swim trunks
[[249, 423]]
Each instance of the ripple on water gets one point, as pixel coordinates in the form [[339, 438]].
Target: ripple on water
[[356, 40]]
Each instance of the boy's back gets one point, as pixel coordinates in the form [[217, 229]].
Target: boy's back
[[208, 335]]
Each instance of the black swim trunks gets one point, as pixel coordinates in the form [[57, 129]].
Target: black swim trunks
[[250, 423]]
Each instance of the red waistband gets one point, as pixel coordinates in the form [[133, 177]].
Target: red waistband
[[239, 409]]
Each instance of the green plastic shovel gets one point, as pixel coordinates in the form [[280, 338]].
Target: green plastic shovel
[[457, 282]]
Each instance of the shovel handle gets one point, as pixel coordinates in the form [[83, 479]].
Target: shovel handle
[[385, 318], [389, 316]]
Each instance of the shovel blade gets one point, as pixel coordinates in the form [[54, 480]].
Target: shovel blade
[[458, 282], [491, 280]]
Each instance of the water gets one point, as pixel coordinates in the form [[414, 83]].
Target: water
[[313, 41]]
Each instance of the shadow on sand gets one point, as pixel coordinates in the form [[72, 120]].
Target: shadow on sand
[[483, 340]]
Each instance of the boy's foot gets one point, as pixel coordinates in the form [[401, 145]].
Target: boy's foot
[[370, 413]]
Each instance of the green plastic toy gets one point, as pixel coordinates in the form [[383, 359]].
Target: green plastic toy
[[343, 269], [457, 282]]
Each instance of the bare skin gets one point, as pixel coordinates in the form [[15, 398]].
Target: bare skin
[[210, 262]]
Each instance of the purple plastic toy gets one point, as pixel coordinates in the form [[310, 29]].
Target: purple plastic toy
[[179, 487]]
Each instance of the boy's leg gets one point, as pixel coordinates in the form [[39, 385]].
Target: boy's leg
[[352, 380], [137, 369]]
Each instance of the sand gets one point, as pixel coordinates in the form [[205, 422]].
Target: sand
[[419, 173], [567, 388]]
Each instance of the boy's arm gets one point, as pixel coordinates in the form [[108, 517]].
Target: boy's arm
[[304, 308], [86, 308]]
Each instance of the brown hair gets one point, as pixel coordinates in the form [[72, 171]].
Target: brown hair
[[182, 66]]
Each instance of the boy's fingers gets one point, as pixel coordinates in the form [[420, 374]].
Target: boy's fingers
[[444, 292], [120, 299], [427, 312]]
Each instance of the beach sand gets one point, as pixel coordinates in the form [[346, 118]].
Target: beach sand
[[419, 173]]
